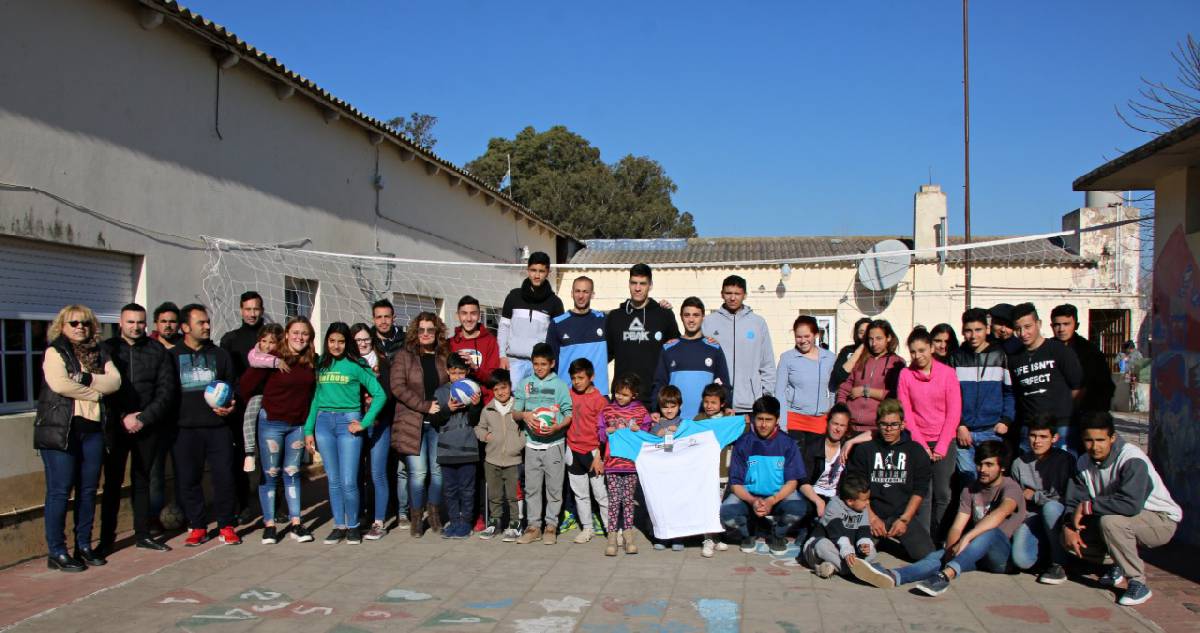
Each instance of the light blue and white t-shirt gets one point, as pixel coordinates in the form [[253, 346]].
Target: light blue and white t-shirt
[[681, 484]]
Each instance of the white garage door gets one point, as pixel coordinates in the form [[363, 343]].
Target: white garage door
[[39, 278]]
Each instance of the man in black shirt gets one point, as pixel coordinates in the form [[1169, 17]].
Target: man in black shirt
[[390, 337], [637, 330], [238, 343], [1047, 377], [1098, 387], [900, 472]]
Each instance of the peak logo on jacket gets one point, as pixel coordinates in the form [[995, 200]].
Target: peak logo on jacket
[[637, 332], [890, 468]]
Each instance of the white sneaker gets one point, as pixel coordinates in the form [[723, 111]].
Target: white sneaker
[[722, 546], [825, 569], [708, 549], [511, 535], [584, 536]]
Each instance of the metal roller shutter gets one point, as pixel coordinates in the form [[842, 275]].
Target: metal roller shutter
[[38, 278]]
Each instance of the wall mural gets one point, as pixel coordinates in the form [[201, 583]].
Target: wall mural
[[1175, 390]]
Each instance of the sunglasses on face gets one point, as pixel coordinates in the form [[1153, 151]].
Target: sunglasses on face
[[80, 324], [426, 330]]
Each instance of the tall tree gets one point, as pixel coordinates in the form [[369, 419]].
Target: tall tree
[[417, 126], [559, 174], [1160, 106]]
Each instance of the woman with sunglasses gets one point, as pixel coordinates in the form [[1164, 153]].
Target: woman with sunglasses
[[418, 369], [378, 441], [69, 431]]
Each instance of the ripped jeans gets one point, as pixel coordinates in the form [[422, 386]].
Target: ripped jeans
[[280, 446]]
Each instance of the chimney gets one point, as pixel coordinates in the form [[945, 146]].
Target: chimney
[[929, 209]]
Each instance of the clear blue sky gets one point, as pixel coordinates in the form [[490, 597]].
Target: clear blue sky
[[774, 118]]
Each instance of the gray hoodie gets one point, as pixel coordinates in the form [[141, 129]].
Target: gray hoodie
[[1124, 483], [746, 341]]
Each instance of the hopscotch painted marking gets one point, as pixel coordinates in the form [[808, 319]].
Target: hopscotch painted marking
[[569, 604], [720, 616]]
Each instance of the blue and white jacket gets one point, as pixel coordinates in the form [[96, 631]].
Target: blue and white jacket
[[987, 391], [764, 465], [691, 365], [580, 336]]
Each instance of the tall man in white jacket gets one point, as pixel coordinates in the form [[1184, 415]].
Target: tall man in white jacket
[[746, 341]]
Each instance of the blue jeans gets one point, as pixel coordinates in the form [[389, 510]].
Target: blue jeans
[[991, 549], [340, 449], [77, 467], [1039, 535], [379, 441], [736, 515], [422, 467], [460, 491], [966, 456], [280, 446]]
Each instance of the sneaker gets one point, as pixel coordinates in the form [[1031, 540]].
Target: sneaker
[[490, 531], [778, 545], [873, 574], [269, 537], [465, 531], [1112, 577], [197, 536], [376, 532], [935, 586], [229, 536], [300, 533], [620, 538], [568, 523], [1054, 575], [659, 546], [449, 529], [676, 546], [749, 544], [825, 569], [354, 536], [1135, 594], [584, 536], [598, 526], [513, 532], [550, 535], [722, 545], [335, 536], [531, 534], [402, 520], [479, 524], [708, 548]]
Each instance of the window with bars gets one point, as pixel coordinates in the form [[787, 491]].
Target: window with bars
[[299, 296]]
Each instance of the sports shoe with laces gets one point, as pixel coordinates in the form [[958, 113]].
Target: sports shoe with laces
[[1054, 575], [598, 526], [353, 536], [568, 523], [513, 532], [335, 536], [584, 536], [197, 536], [1135, 594], [749, 544], [1112, 577], [269, 536], [229, 536], [531, 534], [300, 533], [873, 574], [490, 531], [777, 545], [935, 586], [708, 548]]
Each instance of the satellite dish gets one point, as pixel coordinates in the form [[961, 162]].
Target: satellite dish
[[884, 271]]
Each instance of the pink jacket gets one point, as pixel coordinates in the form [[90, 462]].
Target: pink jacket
[[932, 405]]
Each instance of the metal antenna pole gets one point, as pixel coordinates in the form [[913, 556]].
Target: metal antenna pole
[[966, 160]]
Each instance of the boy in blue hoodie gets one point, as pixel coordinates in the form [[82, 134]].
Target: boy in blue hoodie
[[764, 475], [543, 405]]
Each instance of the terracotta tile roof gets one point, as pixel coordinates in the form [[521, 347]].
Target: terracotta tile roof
[[733, 249], [222, 37]]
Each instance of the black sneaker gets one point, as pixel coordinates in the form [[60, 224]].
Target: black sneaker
[[935, 586], [269, 535], [335, 536], [749, 543], [1054, 575], [778, 545], [1112, 577], [300, 533], [354, 536]]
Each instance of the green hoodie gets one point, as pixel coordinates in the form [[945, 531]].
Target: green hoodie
[[339, 388], [550, 392]]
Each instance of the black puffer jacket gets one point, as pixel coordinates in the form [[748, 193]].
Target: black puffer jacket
[[52, 424], [148, 380]]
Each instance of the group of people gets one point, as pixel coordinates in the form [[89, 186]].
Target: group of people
[[700, 433]]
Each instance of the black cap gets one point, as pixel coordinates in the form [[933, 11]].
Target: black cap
[[1001, 312]]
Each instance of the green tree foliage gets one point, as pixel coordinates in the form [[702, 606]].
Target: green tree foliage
[[417, 126], [559, 175]]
